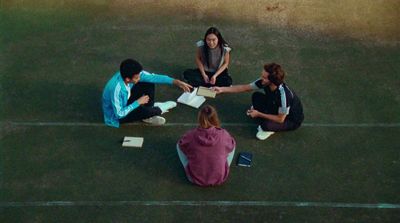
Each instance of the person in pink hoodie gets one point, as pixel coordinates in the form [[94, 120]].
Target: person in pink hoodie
[[206, 152]]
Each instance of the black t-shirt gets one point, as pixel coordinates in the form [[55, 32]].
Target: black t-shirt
[[282, 101]]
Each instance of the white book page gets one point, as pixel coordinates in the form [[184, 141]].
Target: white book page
[[197, 101], [192, 95], [191, 99], [132, 141]]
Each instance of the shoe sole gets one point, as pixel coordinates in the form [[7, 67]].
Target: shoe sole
[[154, 124], [262, 138]]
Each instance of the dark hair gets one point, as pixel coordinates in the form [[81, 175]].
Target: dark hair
[[130, 67], [208, 117], [276, 73], [221, 43]]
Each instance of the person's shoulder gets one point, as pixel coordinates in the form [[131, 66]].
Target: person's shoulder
[[116, 76], [117, 87], [191, 132], [116, 79], [284, 88], [226, 137], [144, 72], [257, 84], [290, 91], [227, 48], [187, 137], [223, 131], [200, 43]]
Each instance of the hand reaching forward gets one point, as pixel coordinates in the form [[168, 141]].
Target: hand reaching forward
[[184, 86], [218, 90]]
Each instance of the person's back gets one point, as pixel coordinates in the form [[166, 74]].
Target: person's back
[[115, 83], [207, 151]]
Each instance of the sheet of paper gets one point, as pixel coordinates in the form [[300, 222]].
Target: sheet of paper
[[186, 97], [192, 94], [132, 141]]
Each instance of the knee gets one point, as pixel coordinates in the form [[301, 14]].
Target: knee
[[257, 97], [186, 73], [267, 125], [224, 83], [228, 81], [189, 72], [149, 85]]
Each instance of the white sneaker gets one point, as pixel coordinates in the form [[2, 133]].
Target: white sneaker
[[263, 135], [155, 120], [165, 106]]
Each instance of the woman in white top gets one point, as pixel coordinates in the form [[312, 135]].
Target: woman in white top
[[212, 60]]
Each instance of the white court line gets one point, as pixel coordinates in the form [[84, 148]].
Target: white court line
[[334, 125], [199, 203]]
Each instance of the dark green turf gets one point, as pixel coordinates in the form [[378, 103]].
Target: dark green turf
[[197, 214], [70, 56], [88, 163], [54, 64]]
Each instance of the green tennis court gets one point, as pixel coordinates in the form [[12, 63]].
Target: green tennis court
[[60, 163]]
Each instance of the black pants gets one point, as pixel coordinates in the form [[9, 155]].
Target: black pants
[[143, 111], [194, 78], [260, 103]]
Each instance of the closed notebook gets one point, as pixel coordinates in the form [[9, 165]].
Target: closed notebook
[[207, 92], [244, 159], [132, 141]]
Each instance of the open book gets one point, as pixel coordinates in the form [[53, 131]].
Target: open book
[[191, 99]]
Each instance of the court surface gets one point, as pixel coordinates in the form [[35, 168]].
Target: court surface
[[60, 163]]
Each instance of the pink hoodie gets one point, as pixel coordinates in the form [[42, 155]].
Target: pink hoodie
[[206, 151]]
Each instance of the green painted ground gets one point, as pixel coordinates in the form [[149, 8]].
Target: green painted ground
[[56, 60]]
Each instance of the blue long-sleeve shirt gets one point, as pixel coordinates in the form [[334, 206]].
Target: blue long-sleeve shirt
[[116, 95]]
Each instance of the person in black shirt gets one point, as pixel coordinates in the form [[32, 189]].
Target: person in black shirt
[[277, 109]]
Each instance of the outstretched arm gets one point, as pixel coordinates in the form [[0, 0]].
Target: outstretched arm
[[163, 79], [233, 89], [184, 86]]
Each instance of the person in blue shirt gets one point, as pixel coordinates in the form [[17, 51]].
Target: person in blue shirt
[[276, 109], [129, 95]]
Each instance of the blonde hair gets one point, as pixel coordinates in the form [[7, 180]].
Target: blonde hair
[[208, 117]]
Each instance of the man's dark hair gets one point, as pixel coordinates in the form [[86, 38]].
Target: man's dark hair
[[130, 67], [276, 73]]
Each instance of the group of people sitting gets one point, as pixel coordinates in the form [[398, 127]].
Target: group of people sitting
[[206, 152]]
